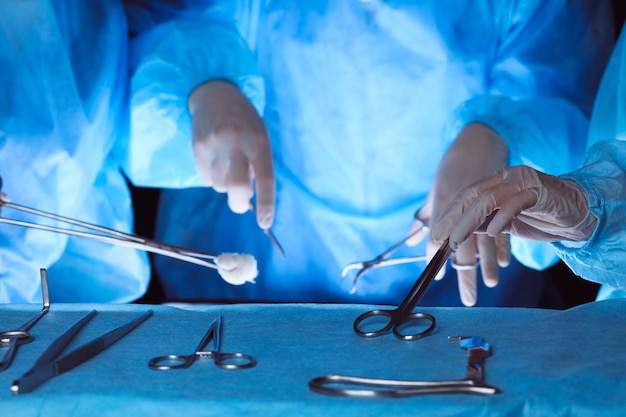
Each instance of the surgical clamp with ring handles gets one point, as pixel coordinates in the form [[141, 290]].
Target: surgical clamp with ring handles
[[382, 259], [14, 338], [116, 237], [404, 315], [351, 386], [230, 361]]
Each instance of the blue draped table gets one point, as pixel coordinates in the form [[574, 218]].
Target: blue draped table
[[545, 362]]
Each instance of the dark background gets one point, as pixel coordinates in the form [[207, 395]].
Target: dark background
[[571, 289]]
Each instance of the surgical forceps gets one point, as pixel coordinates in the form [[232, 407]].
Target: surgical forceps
[[110, 236], [230, 361], [351, 386], [49, 364], [395, 319], [14, 338], [382, 260], [270, 235]]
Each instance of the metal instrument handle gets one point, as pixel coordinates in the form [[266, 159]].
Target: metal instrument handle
[[374, 387], [169, 362], [395, 323]]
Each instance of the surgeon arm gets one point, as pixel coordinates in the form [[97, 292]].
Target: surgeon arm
[[602, 257], [540, 89], [547, 62], [582, 212], [183, 63]]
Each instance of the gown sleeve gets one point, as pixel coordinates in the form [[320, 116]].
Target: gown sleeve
[[602, 258], [175, 47], [541, 86]]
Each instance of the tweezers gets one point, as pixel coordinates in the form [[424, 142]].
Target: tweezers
[[110, 236], [49, 365]]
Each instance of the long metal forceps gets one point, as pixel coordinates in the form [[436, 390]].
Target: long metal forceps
[[110, 236], [403, 316], [230, 361], [352, 386], [49, 364], [383, 258], [14, 338]]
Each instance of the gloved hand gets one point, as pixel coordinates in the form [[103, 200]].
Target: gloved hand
[[3, 196], [477, 152], [521, 201], [232, 148]]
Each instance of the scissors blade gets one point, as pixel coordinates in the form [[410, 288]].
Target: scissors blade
[[274, 241], [37, 376], [269, 233], [426, 278]]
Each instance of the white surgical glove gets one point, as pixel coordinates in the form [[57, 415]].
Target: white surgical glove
[[232, 148], [521, 201], [476, 152], [3, 196]]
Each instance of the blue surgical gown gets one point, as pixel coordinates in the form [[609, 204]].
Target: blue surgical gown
[[63, 104], [602, 258], [361, 99]]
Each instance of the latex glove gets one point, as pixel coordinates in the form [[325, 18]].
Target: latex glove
[[232, 148], [477, 152], [521, 201], [3, 196]]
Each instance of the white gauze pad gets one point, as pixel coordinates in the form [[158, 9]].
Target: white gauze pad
[[237, 268]]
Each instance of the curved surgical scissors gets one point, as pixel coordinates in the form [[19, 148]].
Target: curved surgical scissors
[[230, 361], [403, 315], [14, 338], [270, 235]]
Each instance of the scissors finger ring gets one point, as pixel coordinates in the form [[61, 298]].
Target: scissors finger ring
[[233, 361], [403, 315], [395, 324]]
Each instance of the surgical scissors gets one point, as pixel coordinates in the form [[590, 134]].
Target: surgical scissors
[[230, 361], [270, 235], [14, 338], [353, 386], [49, 364], [382, 260], [403, 315]]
